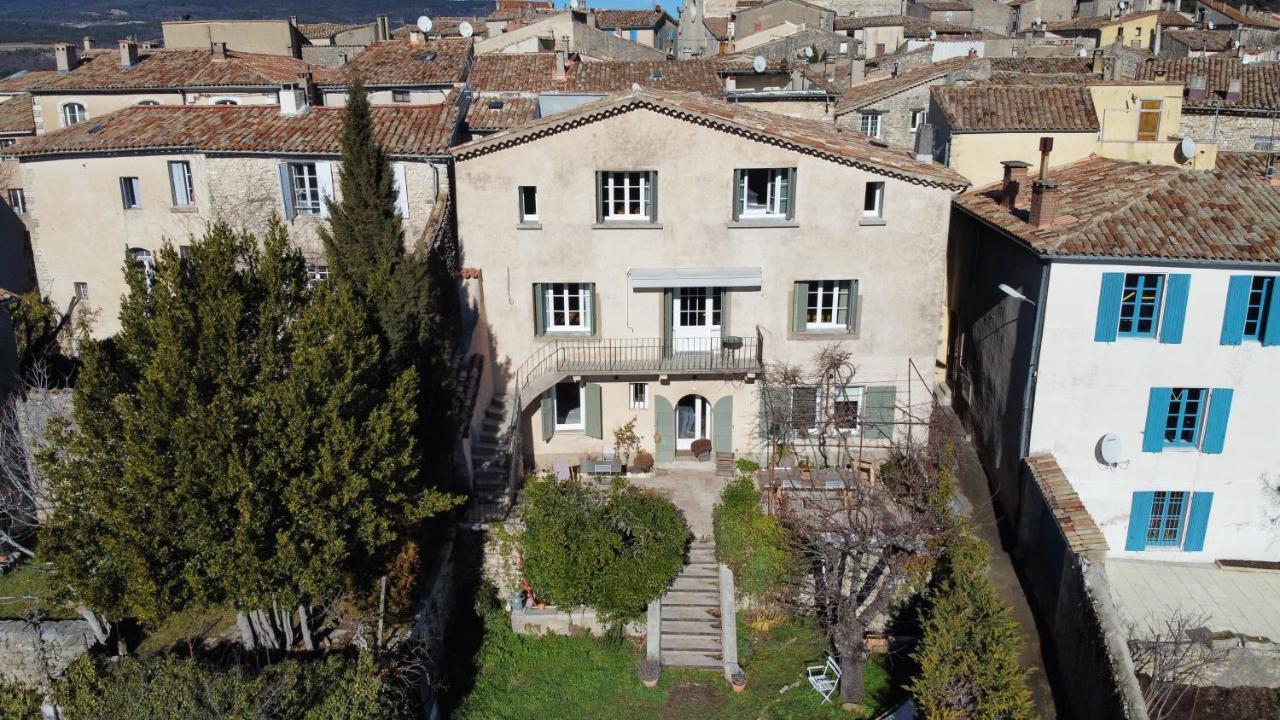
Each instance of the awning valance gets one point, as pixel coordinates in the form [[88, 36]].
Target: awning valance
[[650, 278]]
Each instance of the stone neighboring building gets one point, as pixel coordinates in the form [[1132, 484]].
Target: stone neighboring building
[[415, 71], [644, 255], [147, 175], [654, 28], [951, 12], [258, 37], [894, 107], [1227, 101]]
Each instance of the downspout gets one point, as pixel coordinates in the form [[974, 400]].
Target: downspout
[[1033, 367]]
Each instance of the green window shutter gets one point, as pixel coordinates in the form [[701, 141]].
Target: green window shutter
[[594, 423], [600, 199], [799, 299], [1139, 520], [724, 311], [668, 299], [791, 194], [851, 306], [722, 425], [653, 196], [880, 412], [593, 309], [539, 310], [664, 429], [548, 411], [737, 195]]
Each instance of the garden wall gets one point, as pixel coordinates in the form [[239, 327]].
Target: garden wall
[[33, 652]]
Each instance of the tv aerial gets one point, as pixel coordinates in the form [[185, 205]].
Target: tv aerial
[[465, 29], [424, 24]]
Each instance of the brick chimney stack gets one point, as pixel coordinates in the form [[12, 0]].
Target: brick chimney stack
[[128, 53], [1044, 202], [219, 50], [88, 43], [416, 37], [1015, 177]]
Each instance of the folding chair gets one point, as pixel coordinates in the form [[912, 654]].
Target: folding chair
[[824, 678]]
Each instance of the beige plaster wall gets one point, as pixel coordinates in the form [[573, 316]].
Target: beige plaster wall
[[273, 37], [47, 109], [977, 156], [338, 98], [891, 37]]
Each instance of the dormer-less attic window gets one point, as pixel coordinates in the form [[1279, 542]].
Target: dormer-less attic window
[[426, 56], [495, 105], [655, 74]]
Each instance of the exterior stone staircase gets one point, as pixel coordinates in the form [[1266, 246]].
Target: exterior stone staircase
[[491, 464], [691, 628]]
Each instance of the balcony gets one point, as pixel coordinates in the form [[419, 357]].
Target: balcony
[[730, 355]]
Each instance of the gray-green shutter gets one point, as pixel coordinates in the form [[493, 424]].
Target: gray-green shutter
[[724, 311], [548, 409], [880, 412], [736, 195], [799, 300], [791, 193], [851, 306], [592, 311], [653, 196], [539, 310], [668, 299], [722, 425], [594, 423], [600, 197], [775, 404], [664, 429]]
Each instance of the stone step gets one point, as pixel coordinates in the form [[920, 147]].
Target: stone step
[[703, 570], [691, 597], [693, 582], [690, 627], [697, 555], [690, 613], [689, 658], [704, 643]]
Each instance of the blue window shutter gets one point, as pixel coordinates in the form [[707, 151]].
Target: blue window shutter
[[1109, 307], [1139, 518], [1215, 428], [1237, 305], [1271, 333], [1175, 308], [1157, 414], [1198, 521]]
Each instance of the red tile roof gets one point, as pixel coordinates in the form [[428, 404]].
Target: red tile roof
[[913, 27], [1238, 15], [1095, 23], [868, 93], [718, 26], [1109, 208], [1078, 527], [180, 69], [1203, 40], [535, 72], [417, 130], [21, 81], [314, 31], [16, 115], [401, 63], [1039, 66], [627, 19], [815, 137], [1005, 108], [1169, 18], [1258, 82], [490, 113]]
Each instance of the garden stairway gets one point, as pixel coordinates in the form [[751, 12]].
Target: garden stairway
[[490, 464], [690, 629]]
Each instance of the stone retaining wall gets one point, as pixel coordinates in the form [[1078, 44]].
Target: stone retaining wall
[[32, 653]]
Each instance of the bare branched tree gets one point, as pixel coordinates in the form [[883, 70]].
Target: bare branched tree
[[865, 536], [1175, 653], [23, 492]]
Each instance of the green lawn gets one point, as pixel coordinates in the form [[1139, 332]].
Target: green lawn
[[25, 590], [579, 677]]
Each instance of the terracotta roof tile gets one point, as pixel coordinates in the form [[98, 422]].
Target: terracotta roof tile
[[535, 72], [314, 31], [1094, 23], [21, 81], [1109, 208], [1075, 66], [1082, 534], [1000, 108], [820, 138], [180, 69], [1203, 40], [1169, 18], [16, 115], [868, 93], [403, 131], [445, 27], [1237, 15], [913, 27], [403, 63], [490, 113], [719, 27], [1017, 78], [626, 19], [1259, 82]]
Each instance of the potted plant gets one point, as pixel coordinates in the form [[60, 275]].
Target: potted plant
[[626, 442], [701, 448], [643, 462], [739, 680], [648, 671]]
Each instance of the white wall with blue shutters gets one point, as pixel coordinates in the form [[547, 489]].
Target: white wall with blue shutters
[[1091, 382]]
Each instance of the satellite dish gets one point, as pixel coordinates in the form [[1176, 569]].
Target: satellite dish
[[933, 34], [1110, 449], [1187, 148], [424, 24], [1039, 20], [759, 63], [465, 29], [574, 4], [808, 52], [1210, 24]]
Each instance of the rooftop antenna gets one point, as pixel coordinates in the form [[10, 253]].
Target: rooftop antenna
[[759, 63], [424, 24], [465, 29]]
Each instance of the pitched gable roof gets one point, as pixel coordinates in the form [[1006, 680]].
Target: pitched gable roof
[[406, 131], [20, 81], [1095, 23], [1011, 108], [535, 72], [823, 139], [628, 19], [868, 93], [1259, 82], [404, 63], [313, 31], [1238, 16], [490, 114], [163, 69], [16, 115], [1109, 208]]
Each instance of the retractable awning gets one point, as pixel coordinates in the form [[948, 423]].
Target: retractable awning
[[649, 278]]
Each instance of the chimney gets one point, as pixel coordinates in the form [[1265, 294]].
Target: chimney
[[128, 53], [219, 50], [730, 83], [294, 100], [1046, 147], [293, 20], [973, 53], [1015, 176], [381, 28], [1196, 89], [591, 19], [1099, 62], [1044, 202], [88, 43], [924, 143], [857, 70], [1233, 90], [66, 56], [416, 37], [560, 63]]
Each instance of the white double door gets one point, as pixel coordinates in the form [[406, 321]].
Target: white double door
[[695, 319]]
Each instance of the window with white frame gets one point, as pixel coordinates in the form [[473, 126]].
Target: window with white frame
[[627, 196], [846, 404], [569, 403], [873, 200], [400, 96], [528, 203], [827, 306], [871, 124], [130, 193], [568, 307], [305, 182], [73, 113], [144, 257], [639, 396], [184, 253], [917, 119], [316, 274], [18, 201], [765, 193], [181, 187], [82, 291]]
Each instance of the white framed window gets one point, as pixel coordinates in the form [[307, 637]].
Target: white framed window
[[765, 192], [82, 291], [130, 193], [570, 400], [146, 259], [316, 274], [18, 201], [627, 196], [846, 408], [528, 203], [639, 394], [73, 113], [7, 142], [567, 307], [180, 185], [917, 119], [400, 96], [305, 181], [225, 101], [184, 253], [873, 200], [827, 306], [871, 124]]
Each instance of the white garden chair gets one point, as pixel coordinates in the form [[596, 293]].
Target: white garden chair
[[824, 678]]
